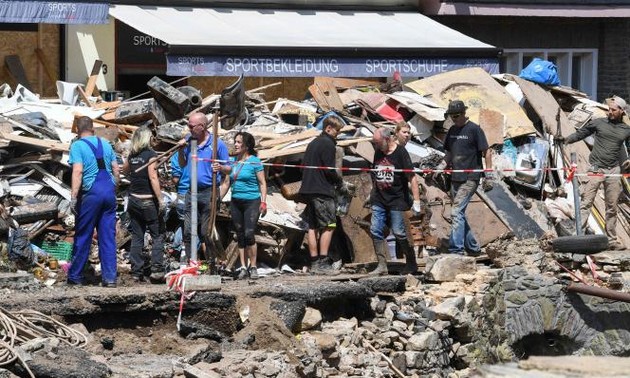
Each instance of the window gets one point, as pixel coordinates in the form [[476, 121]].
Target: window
[[577, 68]]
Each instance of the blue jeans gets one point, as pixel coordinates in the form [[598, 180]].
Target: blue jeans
[[462, 238], [382, 217]]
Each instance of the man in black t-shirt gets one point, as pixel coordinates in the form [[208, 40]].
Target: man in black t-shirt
[[465, 145], [391, 175], [318, 187]]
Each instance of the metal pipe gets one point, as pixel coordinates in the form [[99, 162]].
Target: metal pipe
[[599, 292], [576, 198], [194, 237]]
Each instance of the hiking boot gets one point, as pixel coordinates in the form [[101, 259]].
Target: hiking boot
[[157, 277], [315, 266], [74, 283], [326, 267], [253, 273], [109, 284], [137, 279], [242, 274]]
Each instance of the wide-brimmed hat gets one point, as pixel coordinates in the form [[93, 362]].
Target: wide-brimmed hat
[[455, 107]]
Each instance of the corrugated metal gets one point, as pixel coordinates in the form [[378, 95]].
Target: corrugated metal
[[292, 28]]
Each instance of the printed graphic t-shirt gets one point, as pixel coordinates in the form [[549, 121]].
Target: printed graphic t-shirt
[[390, 189]]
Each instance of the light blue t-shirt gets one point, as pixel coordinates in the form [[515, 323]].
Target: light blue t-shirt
[[244, 181], [183, 185], [82, 153]]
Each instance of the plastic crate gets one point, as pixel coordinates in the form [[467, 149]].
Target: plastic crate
[[61, 250]]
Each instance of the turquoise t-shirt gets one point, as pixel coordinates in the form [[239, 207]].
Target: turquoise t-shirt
[[81, 153], [244, 181]]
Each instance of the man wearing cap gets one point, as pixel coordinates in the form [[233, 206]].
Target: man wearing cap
[[465, 145], [610, 134]]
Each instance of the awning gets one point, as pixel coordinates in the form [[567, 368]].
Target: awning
[[267, 42], [53, 12]]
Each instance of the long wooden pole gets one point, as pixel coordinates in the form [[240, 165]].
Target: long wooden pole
[[213, 199]]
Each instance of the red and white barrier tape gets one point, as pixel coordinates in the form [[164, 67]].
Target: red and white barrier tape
[[571, 171], [176, 280]]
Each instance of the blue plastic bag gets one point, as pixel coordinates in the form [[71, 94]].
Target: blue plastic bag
[[541, 71]]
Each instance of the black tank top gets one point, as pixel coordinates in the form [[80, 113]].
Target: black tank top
[[140, 183]]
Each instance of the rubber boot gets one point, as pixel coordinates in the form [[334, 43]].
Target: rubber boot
[[411, 265], [381, 250]]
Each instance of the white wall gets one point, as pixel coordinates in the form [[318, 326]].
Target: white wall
[[84, 45]]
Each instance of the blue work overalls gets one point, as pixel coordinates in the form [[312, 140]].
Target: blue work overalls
[[96, 208]]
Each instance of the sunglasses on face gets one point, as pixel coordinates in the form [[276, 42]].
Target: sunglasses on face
[[455, 116]]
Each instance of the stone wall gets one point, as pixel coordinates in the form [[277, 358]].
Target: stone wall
[[531, 314]]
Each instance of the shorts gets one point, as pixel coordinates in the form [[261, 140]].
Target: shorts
[[321, 212]]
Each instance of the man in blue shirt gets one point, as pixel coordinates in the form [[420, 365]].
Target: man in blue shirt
[[94, 178], [197, 124]]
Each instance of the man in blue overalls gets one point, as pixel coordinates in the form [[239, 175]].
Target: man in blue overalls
[[94, 178]]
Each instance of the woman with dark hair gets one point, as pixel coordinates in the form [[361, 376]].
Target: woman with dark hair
[[144, 207], [249, 193]]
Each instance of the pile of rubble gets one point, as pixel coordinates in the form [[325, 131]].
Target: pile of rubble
[[519, 118]]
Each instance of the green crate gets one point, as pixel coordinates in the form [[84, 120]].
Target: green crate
[[61, 250]]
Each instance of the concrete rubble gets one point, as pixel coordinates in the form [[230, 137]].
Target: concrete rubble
[[483, 316]]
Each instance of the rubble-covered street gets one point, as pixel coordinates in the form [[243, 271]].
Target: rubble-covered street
[[536, 298]]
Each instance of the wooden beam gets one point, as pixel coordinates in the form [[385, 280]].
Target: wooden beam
[[44, 143], [91, 82], [84, 96], [266, 154], [299, 136]]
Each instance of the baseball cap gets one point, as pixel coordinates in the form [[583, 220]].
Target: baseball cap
[[620, 102], [455, 106]]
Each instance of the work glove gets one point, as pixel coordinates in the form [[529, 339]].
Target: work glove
[[442, 166], [263, 209], [558, 139], [347, 188], [416, 209], [626, 165], [488, 181], [73, 206]]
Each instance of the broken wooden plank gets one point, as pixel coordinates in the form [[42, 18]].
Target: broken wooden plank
[[510, 212], [91, 82], [13, 63], [44, 143], [84, 96], [326, 96], [299, 136], [492, 123], [55, 183], [266, 154], [342, 83], [24, 214]]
